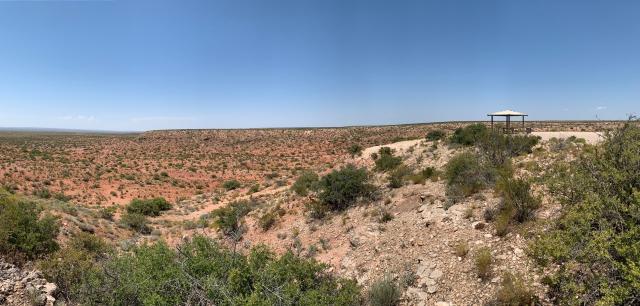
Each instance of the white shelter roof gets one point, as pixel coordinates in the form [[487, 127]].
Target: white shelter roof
[[507, 112]]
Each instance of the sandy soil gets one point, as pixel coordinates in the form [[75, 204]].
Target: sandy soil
[[590, 137]]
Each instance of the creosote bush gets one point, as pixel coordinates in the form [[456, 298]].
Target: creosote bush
[[355, 150], [24, 232], [435, 135], [469, 134], [197, 272], [594, 243], [386, 160], [307, 181], [231, 185], [342, 188], [136, 222], [148, 207], [466, 175], [229, 219]]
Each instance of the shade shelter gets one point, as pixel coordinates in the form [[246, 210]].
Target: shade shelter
[[507, 114]]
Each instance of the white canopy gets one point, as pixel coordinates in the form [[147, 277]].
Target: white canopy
[[507, 112]]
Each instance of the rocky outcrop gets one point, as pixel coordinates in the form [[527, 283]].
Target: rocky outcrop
[[24, 287]]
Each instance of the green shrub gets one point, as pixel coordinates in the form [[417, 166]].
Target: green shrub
[[73, 269], [148, 207], [204, 273], [231, 185], [469, 134], [267, 220], [136, 222], [229, 219], [23, 233], [307, 181], [594, 243], [107, 213], [384, 292], [386, 160], [514, 292], [483, 263], [398, 176], [435, 135], [517, 199], [466, 175], [355, 150], [342, 188], [498, 148]]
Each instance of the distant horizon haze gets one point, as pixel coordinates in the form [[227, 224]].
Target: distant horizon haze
[[151, 65]]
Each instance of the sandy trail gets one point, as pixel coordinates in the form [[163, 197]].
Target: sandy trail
[[590, 137], [211, 206]]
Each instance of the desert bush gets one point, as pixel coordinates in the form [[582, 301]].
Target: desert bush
[[24, 233], [498, 148], [73, 269], [398, 176], [267, 220], [307, 181], [483, 263], [386, 160], [384, 292], [229, 218], [594, 241], [201, 272], [231, 185], [136, 222], [355, 150], [148, 207], [469, 134], [342, 188], [107, 213], [517, 199], [317, 210], [513, 291], [435, 135], [466, 175]]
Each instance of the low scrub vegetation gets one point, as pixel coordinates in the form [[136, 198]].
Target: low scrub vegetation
[[307, 181], [384, 292], [483, 261], [136, 222], [231, 185], [466, 174], [25, 233], [342, 188], [594, 243], [469, 135], [148, 207], [514, 291], [386, 160], [230, 218], [198, 272], [435, 135]]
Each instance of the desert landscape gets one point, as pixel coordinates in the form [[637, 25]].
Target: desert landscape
[[411, 228]]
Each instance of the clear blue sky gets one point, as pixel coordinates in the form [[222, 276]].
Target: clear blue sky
[[137, 65]]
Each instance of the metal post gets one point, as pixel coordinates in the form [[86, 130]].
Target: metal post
[[492, 122]]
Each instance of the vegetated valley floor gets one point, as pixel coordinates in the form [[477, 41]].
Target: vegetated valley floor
[[79, 174]]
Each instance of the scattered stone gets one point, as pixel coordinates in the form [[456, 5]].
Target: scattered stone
[[478, 225]]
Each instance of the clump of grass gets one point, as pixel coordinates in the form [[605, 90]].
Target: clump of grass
[[384, 292], [514, 291], [483, 261], [462, 249]]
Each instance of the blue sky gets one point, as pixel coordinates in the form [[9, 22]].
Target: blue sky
[[138, 65]]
